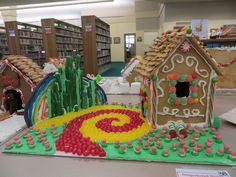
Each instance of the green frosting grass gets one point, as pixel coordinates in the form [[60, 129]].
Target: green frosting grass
[[145, 155], [39, 146], [115, 153]]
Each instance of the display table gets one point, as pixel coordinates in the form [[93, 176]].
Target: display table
[[12, 165]]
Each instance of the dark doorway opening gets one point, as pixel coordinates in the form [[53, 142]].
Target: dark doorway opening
[[12, 101], [182, 89]]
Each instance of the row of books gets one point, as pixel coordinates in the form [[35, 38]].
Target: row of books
[[68, 33]]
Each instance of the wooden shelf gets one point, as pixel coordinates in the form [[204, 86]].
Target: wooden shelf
[[58, 35], [25, 39], [221, 40], [96, 35]]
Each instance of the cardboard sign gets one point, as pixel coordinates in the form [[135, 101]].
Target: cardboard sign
[[11, 33], [88, 27], [200, 28], [181, 172], [48, 30]]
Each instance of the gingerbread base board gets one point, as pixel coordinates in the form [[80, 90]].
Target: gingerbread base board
[[112, 149]]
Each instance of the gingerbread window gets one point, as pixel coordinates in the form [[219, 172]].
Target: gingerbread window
[[183, 89]]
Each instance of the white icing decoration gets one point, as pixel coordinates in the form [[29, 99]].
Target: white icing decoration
[[185, 47], [161, 89], [166, 68], [202, 84], [186, 112], [49, 68], [190, 63], [190, 60]]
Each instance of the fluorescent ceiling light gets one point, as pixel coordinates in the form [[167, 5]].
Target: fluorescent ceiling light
[[54, 4]]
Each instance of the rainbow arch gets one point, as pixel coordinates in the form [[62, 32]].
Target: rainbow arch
[[36, 108]]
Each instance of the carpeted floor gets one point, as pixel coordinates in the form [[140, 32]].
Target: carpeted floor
[[116, 67]]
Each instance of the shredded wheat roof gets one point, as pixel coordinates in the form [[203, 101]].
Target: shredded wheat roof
[[27, 67]]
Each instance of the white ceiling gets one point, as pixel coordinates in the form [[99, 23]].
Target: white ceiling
[[104, 8]]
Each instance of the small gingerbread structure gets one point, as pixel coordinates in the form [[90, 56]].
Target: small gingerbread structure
[[178, 81], [19, 76], [128, 72]]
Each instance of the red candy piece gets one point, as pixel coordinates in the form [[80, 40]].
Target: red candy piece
[[153, 149], [173, 134], [233, 153], [226, 147], [208, 144], [47, 145], [192, 141], [158, 143], [18, 142], [140, 140], [146, 144], [151, 140], [158, 136], [129, 143], [194, 76], [182, 151], [199, 145], [123, 147], [195, 149], [209, 150], [174, 145], [220, 151], [8, 144], [183, 132], [210, 140], [168, 136], [165, 151], [137, 148]]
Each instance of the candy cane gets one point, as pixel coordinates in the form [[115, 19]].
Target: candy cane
[[154, 100], [212, 98]]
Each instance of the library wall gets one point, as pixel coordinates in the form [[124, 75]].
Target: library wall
[[118, 30], [147, 41]]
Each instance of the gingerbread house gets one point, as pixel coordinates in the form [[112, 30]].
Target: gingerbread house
[[18, 77], [178, 79], [128, 73]]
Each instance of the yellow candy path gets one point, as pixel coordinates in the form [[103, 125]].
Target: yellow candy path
[[89, 129]]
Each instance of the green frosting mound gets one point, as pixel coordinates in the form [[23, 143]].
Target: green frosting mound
[[217, 122]]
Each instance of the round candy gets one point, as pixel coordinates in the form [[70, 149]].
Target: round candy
[[172, 95], [177, 101], [176, 76], [190, 100], [214, 79], [184, 101], [154, 77], [189, 31], [196, 100], [194, 82], [172, 89], [193, 88], [173, 82], [171, 100], [189, 78], [193, 95], [182, 77]]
